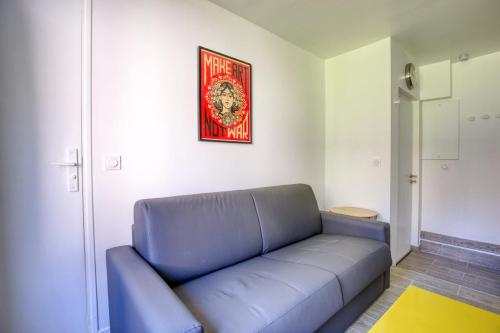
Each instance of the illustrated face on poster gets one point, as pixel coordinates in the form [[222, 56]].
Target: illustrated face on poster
[[225, 98]]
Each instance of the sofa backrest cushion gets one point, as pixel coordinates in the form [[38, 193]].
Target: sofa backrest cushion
[[287, 214], [188, 236]]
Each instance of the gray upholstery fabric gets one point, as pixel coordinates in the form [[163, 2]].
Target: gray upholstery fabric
[[263, 295], [355, 261], [287, 214], [357, 227], [188, 236], [140, 301], [350, 312]]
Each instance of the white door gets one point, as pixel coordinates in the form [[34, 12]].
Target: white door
[[42, 272], [405, 180]]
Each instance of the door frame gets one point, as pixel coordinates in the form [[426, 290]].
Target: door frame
[[87, 185], [416, 168]]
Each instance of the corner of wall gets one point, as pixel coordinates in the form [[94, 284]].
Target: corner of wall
[[357, 100]]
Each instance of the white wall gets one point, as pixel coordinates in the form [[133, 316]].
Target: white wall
[[145, 108], [362, 125], [358, 128], [464, 201], [435, 80]]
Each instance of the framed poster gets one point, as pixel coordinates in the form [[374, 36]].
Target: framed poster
[[225, 100]]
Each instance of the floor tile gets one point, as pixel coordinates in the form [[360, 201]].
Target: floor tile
[[399, 281], [437, 290], [483, 272], [493, 302], [475, 285], [445, 273], [482, 284], [450, 263]]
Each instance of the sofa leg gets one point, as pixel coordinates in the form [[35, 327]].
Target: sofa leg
[[387, 278]]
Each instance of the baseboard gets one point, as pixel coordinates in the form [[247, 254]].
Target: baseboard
[[461, 242], [473, 252]]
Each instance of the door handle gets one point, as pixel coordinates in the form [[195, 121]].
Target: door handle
[[413, 181], [73, 163], [66, 164], [413, 176]]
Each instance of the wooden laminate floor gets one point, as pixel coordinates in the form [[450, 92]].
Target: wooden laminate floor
[[470, 284]]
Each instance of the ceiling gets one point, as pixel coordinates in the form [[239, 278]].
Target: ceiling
[[430, 30]]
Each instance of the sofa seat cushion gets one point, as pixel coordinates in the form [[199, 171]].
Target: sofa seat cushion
[[263, 295], [355, 261]]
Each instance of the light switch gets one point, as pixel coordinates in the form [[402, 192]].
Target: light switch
[[377, 162], [112, 162]]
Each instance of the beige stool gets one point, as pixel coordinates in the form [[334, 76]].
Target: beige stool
[[355, 212]]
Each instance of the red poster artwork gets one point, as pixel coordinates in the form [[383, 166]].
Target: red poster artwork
[[225, 98]]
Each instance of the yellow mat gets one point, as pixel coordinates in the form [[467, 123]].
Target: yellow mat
[[421, 311]]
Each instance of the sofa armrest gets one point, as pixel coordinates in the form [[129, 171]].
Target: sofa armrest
[[140, 300], [357, 227]]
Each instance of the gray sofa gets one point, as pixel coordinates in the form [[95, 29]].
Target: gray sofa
[[259, 260]]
